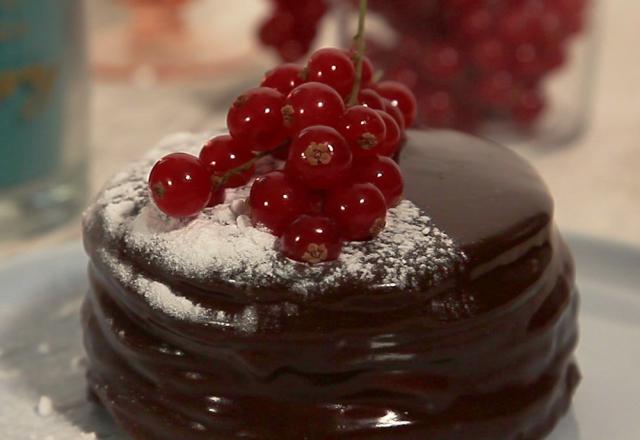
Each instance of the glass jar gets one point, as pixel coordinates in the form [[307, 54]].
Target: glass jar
[[43, 108], [516, 71]]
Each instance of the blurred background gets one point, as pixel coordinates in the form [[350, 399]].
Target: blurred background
[[86, 86]]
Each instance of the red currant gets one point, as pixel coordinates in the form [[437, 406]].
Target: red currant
[[442, 62], [401, 97], [222, 154], [292, 49], [276, 200], [475, 22], [573, 13], [551, 29], [310, 104], [554, 57], [180, 185], [384, 173], [254, 119], [393, 138], [360, 211], [528, 63], [495, 90], [367, 67], [370, 98], [283, 78], [367, 71], [527, 107], [277, 28], [489, 54], [363, 128], [312, 239], [516, 25], [319, 157], [395, 113], [332, 67], [438, 108]]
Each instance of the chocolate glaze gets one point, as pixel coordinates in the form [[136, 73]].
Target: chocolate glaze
[[486, 354]]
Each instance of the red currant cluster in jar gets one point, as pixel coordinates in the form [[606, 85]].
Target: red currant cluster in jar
[[334, 132], [292, 27], [473, 61], [468, 61]]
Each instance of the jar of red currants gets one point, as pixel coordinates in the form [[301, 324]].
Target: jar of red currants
[[516, 71]]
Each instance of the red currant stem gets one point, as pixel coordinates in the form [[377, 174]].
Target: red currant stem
[[377, 76], [244, 167], [360, 48]]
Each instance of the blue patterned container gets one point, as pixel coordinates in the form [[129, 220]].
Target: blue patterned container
[[42, 97]]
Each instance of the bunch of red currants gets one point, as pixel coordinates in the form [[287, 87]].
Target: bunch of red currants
[[468, 61], [292, 27], [336, 131]]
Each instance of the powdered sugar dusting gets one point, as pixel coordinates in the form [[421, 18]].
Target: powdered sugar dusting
[[161, 297], [221, 245]]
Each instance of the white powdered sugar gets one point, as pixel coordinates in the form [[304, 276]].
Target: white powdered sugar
[[222, 246], [45, 406]]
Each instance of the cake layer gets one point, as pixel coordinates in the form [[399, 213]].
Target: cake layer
[[472, 338]]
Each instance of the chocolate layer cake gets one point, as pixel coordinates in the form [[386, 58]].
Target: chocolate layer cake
[[457, 322]]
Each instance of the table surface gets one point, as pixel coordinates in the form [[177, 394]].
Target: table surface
[[595, 181]]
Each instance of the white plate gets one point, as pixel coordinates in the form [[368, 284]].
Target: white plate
[[41, 350]]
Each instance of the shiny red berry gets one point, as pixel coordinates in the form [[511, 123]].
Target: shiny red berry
[[223, 153], [332, 67], [319, 157], [276, 200], [283, 78], [363, 128], [310, 104], [370, 98], [312, 239], [367, 67], [385, 174], [395, 113], [401, 97], [255, 120], [393, 137], [359, 210], [367, 71], [180, 185]]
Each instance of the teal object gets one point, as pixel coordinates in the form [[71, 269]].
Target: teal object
[[37, 59]]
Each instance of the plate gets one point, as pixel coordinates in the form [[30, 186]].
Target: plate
[[42, 389]]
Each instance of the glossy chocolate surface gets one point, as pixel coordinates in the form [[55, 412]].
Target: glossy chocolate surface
[[486, 354]]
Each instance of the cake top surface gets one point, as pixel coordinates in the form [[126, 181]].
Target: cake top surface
[[221, 250]]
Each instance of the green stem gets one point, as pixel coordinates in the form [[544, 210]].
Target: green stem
[[222, 180], [360, 48]]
